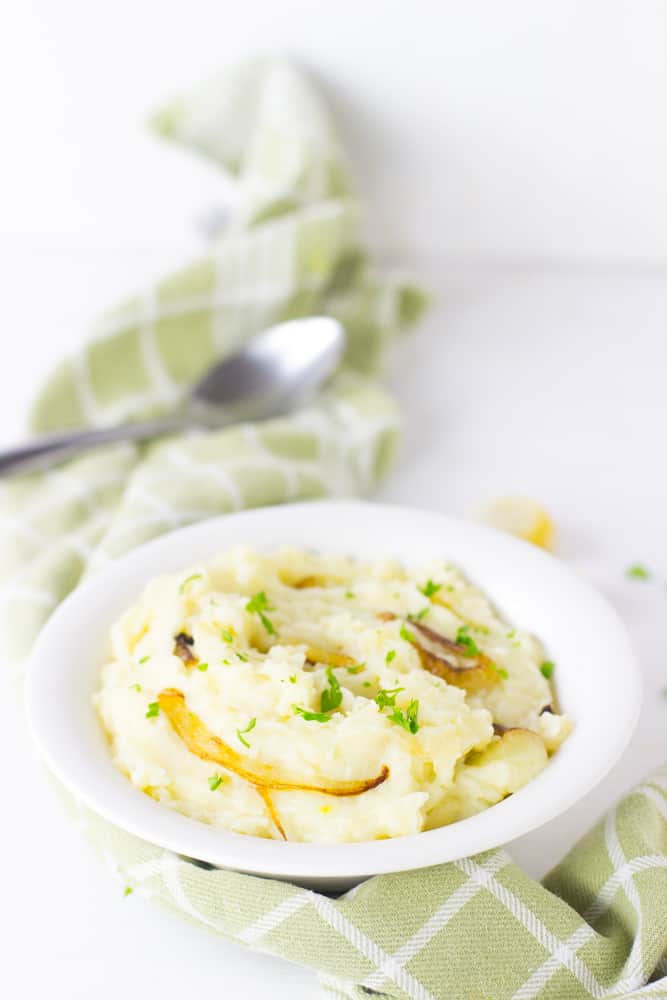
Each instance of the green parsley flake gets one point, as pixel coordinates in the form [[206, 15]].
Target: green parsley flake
[[470, 647], [248, 729], [144, 659], [391, 655], [406, 634], [332, 695], [292, 678], [226, 635], [367, 684], [128, 890], [215, 781], [418, 617], [386, 697], [153, 710], [258, 605], [310, 716], [547, 669], [350, 595], [500, 670], [202, 667], [136, 687], [356, 669], [242, 657], [430, 588], [195, 576], [638, 572], [408, 720]]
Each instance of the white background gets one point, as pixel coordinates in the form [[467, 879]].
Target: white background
[[524, 128], [515, 157]]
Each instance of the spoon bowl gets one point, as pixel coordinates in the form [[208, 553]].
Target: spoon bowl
[[276, 371]]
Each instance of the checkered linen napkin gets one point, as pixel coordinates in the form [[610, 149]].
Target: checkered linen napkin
[[476, 929]]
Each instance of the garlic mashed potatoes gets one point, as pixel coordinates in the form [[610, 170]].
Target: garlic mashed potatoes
[[316, 698]]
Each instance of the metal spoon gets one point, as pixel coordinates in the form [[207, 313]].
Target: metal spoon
[[273, 373]]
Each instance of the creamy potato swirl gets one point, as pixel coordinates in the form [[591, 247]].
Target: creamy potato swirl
[[317, 698]]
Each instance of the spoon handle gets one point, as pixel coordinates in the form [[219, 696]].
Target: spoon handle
[[51, 449]]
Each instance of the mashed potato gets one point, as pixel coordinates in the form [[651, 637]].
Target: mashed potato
[[396, 696]]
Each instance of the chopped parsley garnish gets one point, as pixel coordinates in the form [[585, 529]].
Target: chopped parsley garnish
[[259, 605], [356, 669], [332, 695], [547, 669], [189, 579], [144, 659], [128, 890], [367, 684], [500, 670], [408, 720], [390, 656], [227, 635], [430, 588], [470, 647], [310, 716], [136, 687], [406, 634], [638, 572], [202, 667], [418, 617], [248, 729], [292, 678], [386, 697], [153, 710], [350, 595], [214, 781], [242, 657]]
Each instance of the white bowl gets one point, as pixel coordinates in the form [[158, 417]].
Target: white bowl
[[597, 679]]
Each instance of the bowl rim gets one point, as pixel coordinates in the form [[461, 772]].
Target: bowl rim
[[62, 737]]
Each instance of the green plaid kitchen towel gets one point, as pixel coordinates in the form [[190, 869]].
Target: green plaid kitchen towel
[[293, 248], [477, 929]]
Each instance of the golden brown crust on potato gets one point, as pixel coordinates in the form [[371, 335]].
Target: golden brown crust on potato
[[451, 661]]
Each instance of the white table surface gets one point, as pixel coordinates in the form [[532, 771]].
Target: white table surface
[[548, 382]]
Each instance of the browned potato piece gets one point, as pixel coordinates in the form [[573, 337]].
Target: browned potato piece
[[134, 641], [522, 750], [306, 582], [313, 580], [332, 659], [449, 660], [183, 648], [199, 740], [315, 654], [268, 802], [487, 776]]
